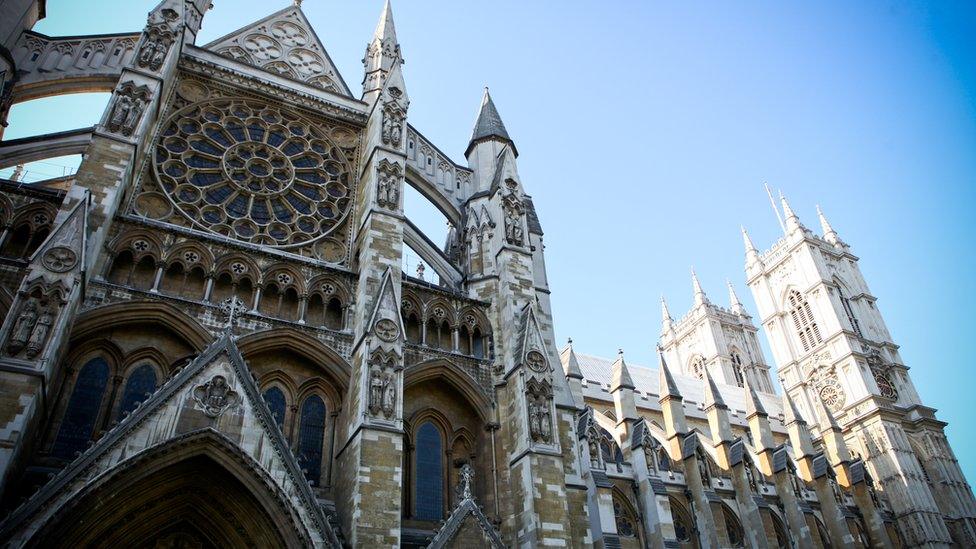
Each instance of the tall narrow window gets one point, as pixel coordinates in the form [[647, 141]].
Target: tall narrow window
[[79, 418], [806, 326], [698, 367], [429, 491], [141, 383], [850, 312], [737, 369], [275, 400], [310, 438]]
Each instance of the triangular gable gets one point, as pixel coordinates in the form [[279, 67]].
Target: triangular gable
[[467, 526], [386, 321], [284, 43], [216, 392], [63, 252], [529, 337]]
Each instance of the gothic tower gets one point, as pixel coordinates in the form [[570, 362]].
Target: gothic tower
[[831, 346], [714, 339]]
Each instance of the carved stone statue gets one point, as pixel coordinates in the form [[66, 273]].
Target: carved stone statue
[[594, 446], [392, 133], [389, 395], [41, 330], [153, 52], [545, 422], [23, 327], [388, 185], [535, 426], [466, 484], [125, 114], [376, 389], [513, 225]]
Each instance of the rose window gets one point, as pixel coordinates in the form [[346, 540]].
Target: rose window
[[885, 386], [832, 397], [254, 172]]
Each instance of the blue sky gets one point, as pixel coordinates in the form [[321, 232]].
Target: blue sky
[[646, 130]]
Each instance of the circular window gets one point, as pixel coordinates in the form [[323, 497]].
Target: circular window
[[252, 171]]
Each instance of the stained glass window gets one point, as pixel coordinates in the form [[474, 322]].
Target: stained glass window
[[275, 400], [310, 438], [79, 418], [141, 383], [430, 473]]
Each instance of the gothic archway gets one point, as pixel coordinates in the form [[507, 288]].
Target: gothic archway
[[199, 489]]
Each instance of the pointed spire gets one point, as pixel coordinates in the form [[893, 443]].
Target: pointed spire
[[667, 323], [489, 124], [668, 386], [382, 54], [792, 221], [572, 367], [734, 302], [827, 419], [621, 375], [700, 297], [829, 234], [753, 404], [752, 255], [790, 413], [713, 397], [385, 29]]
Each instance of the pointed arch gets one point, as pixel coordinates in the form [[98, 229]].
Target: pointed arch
[[327, 359], [91, 323], [203, 469], [443, 369]]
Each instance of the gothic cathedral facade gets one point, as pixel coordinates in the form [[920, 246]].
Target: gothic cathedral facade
[[208, 339]]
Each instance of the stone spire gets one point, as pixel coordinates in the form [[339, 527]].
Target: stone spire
[[621, 375], [667, 322], [753, 404], [833, 436], [758, 418], [668, 386], [752, 255], [572, 367], [792, 221], [799, 432], [700, 297], [672, 408], [712, 395], [829, 234], [382, 53], [489, 125], [734, 302], [718, 415]]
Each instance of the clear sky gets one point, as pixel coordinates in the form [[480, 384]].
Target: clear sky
[[647, 128]]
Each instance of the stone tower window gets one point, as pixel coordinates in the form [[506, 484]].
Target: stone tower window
[[698, 367], [737, 369], [803, 321], [78, 423], [846, 303]]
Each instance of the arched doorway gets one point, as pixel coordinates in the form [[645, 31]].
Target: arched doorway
[[195, 492]]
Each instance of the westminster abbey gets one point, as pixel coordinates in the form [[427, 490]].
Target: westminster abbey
[[208, 338]]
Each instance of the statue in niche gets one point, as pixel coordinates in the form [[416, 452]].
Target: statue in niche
[[23, 327], [594, 446], [376, 389], [466, 484], [392, 133], [125, 113], [388, 185], [40, 332], [389, 395], [513, 224], [545, 421], [540, 419], [751, 478], [154, 50]]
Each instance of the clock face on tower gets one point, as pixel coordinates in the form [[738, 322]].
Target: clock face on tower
[[253, 171]]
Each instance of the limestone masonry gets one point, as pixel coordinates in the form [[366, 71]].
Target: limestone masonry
[[209, 340]]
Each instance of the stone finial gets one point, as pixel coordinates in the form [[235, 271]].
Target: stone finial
[[790, 413], [713, 397], [753, 404], [734, 302], [621, 374], [700, 297], [829, 234], [792, 221], [667, 322], [668, 386], [752, 255]]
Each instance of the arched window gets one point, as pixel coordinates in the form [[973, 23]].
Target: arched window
[[626, 522], [429, 491], [79, 418], [141, 383], [846, 303], [698, 367], [683, 523], [477, 344], [310, 438], [275, 400], [333, 314], [413, 328], [806, 326], [737, 369], [732, 528]]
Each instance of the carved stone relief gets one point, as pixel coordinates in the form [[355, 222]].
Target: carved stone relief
[[539, 402], [388, 176], [382, 400], [153, 52], [130, 102], [215, 396], [514, 214], [393, 117]]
